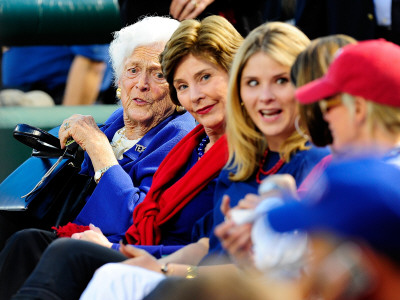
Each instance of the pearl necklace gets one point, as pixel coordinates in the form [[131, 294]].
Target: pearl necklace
[[202, 146], [273, 170]]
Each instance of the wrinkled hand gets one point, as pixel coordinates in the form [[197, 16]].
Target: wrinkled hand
[[84, 130], [188, 9], [93, 235], [140, 258]]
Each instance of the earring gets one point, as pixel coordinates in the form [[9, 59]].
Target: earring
[[118, 93], [179, 109], [299, 130]]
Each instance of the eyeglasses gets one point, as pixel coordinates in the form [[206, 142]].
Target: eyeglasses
[[327, 104]]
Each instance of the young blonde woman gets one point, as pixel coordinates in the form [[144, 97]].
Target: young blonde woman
[[310, 64], [262, 110]]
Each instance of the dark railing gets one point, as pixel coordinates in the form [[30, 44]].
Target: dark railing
[[58, 22]]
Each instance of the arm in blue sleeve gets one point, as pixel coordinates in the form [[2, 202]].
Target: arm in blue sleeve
[[119, 191]]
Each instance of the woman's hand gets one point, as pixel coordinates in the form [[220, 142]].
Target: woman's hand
[[236, 239], [140, 258], [85, 132], [188, 9], [93, 235]]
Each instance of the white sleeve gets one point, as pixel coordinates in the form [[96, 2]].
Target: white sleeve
[[121, 281]]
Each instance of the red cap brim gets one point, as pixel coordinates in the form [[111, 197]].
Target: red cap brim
[[315, 91]]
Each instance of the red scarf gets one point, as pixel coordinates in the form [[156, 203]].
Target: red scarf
[[164, 200]]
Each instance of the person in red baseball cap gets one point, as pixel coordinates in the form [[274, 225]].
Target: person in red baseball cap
[[360, 98]]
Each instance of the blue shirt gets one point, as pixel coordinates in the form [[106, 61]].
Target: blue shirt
[[48, 65], [299, 166]]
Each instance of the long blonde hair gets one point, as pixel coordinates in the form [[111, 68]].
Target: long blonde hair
[[281, 42]]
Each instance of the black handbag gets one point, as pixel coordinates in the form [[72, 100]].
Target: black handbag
[[47, 189]]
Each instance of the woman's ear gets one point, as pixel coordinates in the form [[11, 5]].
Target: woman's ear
[[361, 110]]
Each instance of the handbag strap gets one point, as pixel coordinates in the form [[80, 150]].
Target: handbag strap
[[48, 173]]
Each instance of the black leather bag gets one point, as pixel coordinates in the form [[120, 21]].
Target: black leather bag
[[47, 189]]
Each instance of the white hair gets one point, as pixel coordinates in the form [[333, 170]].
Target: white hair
[[147, 31]]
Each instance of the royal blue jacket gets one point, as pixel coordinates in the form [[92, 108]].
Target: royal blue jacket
[[124, 186]]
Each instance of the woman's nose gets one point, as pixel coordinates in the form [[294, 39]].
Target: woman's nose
[[267, 94], [143, 83], [195, 93]]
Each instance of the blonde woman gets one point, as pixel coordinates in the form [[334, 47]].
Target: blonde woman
[[261, 115]]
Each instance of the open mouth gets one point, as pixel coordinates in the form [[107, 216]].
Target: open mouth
[[270, 113], [139, 101]]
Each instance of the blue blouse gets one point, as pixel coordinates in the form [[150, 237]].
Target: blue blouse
[[299, 166]]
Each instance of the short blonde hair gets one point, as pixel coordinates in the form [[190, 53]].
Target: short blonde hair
[[384, 116], [281, 42], [213, 39]]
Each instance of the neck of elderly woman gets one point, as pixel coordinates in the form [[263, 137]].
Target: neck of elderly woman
[[137, 129]]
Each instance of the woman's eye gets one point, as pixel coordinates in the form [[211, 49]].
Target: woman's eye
[[206, 77], [252, 83], [159, 75], [181, 87], [282, 80]]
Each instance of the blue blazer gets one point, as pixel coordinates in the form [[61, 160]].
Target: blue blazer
[[124, 186]]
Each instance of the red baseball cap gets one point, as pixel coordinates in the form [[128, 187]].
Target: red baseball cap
[[369, 69]]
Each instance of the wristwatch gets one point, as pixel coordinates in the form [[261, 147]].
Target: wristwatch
[[99, 173]]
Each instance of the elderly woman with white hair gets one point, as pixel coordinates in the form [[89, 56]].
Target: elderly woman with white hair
[[123, 155]]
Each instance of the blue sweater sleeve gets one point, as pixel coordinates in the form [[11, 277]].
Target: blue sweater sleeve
[[157, 251], [120, 190]]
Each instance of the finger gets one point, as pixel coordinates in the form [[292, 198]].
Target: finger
[[63, 132], [189, 8], [131, 251], [76, 236], [222, 230], [176, 8], [95, 229], [241, 242], [225, 205], [250, 201], [199, 8], [237, 238]]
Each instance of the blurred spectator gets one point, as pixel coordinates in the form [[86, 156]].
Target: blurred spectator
[[361, 19], [359, 202], [359, 98], [312, 64], [220, 285], [71, 75], [244, 15]]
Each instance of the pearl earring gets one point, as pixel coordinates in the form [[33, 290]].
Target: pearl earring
[[118, 93], [179, 108]]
